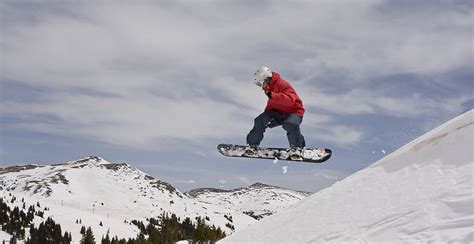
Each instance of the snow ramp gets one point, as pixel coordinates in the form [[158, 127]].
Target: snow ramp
[[421, 193]]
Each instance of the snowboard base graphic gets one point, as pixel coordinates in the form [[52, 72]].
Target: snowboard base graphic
[[310, 155]]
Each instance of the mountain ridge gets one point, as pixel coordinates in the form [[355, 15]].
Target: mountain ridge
[[257, 200], [105, 196], [195, 192], [108, 196]]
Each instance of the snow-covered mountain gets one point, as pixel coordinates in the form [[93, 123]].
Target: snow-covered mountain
[[421, 193], [258, 200], [93, 190]]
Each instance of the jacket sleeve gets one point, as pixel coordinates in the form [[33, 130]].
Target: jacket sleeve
[[285, 99]]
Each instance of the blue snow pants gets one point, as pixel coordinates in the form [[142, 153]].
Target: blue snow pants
[[272, 118]]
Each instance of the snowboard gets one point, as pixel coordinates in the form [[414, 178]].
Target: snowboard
[[310, 155]]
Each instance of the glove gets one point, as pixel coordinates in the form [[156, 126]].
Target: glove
[[269, 94]]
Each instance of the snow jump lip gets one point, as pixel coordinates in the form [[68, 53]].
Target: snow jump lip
[[232, 150]]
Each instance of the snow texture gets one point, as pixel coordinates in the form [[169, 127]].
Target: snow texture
[[258, 200], [421, 193], [93, 190], [4, 236]]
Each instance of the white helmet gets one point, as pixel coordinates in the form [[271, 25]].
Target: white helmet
[[261, 75]]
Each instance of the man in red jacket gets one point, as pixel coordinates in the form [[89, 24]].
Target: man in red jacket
[[284, 107]]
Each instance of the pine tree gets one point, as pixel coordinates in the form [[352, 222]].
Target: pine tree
[[13, 240], [83, 230], [67, 238], [106, 240], [187, 227], [57, 233], [88, 238]]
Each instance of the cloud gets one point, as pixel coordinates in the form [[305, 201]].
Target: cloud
[[244, 180], [341, 135], [331, 175], [128, 120], [152, 72], [97, 42], [186, 181], [363, 101], [327, 129]]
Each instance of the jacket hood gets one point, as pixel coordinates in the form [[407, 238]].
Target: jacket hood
[[275, 76]]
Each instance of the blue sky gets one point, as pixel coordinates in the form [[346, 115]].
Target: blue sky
[[159, 84]]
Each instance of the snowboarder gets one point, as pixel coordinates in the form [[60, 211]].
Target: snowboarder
[[284, 107]]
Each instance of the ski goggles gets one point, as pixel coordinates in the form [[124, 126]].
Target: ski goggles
[[259, 83]]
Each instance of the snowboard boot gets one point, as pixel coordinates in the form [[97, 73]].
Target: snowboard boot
[[250, 150], [296, 153]]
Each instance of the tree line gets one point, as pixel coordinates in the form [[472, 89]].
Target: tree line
[[167, 228], [15, 221]]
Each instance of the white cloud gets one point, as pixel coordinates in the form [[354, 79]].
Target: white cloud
[[327, 176], [341, 135], [182, 70], [134, 121], [244, 180], [327, 129], [361, 102], [331, 175], [130, 41], [186, 181]]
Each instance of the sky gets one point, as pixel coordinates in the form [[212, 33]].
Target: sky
[[159, 84]]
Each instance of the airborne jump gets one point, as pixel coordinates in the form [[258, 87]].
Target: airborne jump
[[284, 108]]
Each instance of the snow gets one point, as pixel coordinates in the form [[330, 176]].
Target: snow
[[258, 199], [94, 190], [284, 169], [4, 236], [421, 193]]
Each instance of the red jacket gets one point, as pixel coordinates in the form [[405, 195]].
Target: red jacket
[[284, 97]]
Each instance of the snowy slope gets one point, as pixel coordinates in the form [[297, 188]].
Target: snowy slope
[[258, 200], [94, 190], [422, 192], [4, 236]]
